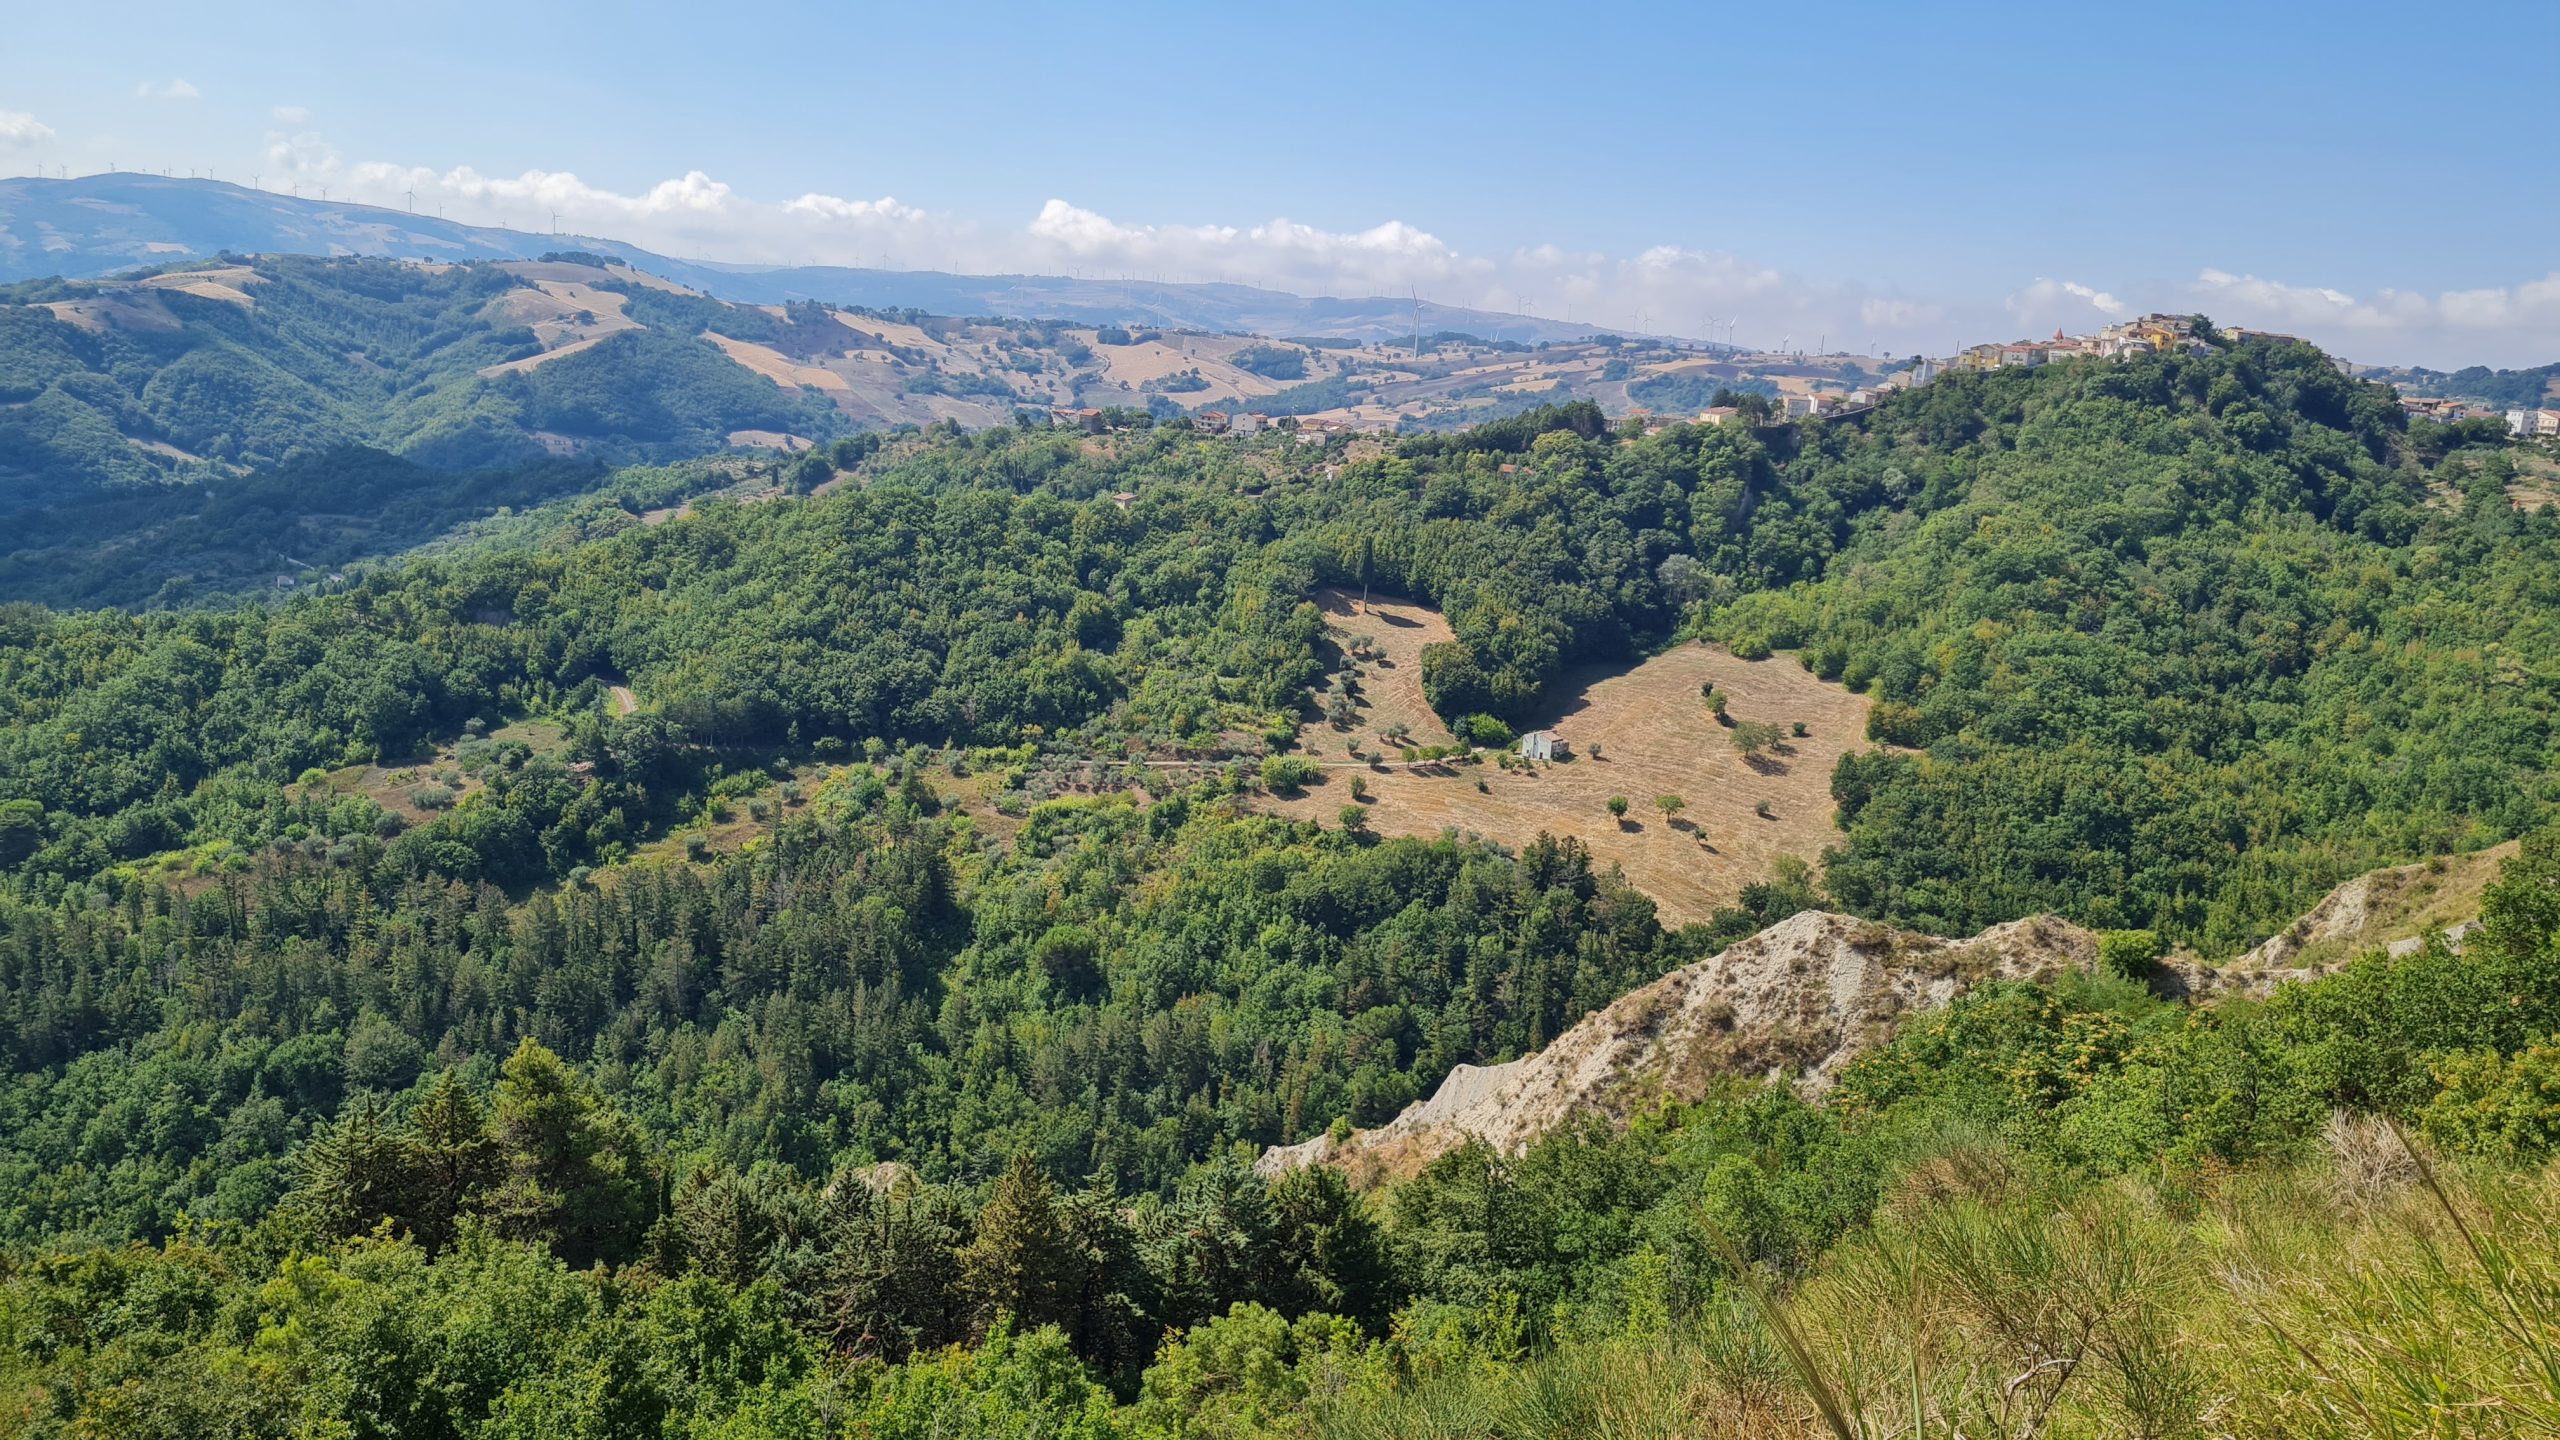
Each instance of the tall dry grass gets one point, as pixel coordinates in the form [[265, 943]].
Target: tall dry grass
[[2370, 1294]]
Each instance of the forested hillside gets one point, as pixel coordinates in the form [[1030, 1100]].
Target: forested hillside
[[179, 375], [2174, 644], [775, 907], [523, 1245], [191, 430]]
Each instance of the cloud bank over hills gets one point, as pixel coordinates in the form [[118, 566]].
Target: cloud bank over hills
[[1670, 289]]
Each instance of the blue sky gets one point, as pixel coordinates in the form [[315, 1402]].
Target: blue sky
[[2379, 178]]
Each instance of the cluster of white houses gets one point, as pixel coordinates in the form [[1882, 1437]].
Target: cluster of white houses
[[2154, 334], [2149, 335], [2524, 424]]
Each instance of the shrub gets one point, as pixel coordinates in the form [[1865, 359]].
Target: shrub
[[2499, 1106], [2132, 954], [1272, 362], [1287, 774], [1752, 738]]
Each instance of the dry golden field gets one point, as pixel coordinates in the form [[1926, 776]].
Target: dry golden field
[[1653, 736]]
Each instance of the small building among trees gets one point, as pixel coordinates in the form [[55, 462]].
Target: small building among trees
[[1545, 745]]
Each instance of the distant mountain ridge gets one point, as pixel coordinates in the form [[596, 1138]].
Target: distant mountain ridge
[[101, 224]]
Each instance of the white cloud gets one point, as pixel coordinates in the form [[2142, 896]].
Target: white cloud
[[302, 156], [1884, 314], [291, 115], [170, 90], [858, 212], [1280, 253], [2064, 301], [1668, 289], [2510, 325], [694, 194], [17, 127]]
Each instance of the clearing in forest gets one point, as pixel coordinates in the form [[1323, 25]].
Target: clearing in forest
[[553, 310], [1391, 680], [1653, 735]]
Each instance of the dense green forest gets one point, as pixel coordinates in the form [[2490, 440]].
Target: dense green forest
[[2175, 644], [520, 1245], [488, 1111]]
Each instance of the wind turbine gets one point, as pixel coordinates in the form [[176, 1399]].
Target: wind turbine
[[412, 197], [555, 222]]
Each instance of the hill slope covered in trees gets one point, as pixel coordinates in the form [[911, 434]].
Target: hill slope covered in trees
[[322, 1100], [2176, 644]]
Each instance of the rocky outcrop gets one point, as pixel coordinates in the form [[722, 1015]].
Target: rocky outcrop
[[2394, 909], [1802, 998], [1799, 999]]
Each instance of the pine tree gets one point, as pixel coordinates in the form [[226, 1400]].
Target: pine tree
[[358, 1172], [892, 1284], [456, 1160], [1327, 1253], [576, 1175], [1114, 1296], [1211, 1246], [1019, 1263]]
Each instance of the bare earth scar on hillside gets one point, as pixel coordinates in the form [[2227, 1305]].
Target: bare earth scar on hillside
[[1653, 735]]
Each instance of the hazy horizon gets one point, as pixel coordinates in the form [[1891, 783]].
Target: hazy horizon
[[1902, 181]]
